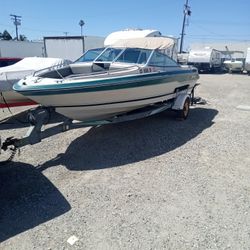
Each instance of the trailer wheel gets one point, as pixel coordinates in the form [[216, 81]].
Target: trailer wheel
[[183, 113]]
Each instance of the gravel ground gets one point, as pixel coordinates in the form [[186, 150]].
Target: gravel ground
[[154, 183]]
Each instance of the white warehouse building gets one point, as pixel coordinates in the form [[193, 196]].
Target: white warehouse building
[[53, 47]]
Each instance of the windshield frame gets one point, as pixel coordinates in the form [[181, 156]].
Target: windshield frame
[[108, 48], [86, 52], [141, 51]]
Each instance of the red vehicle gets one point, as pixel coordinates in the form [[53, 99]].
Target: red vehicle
[[6, 61]]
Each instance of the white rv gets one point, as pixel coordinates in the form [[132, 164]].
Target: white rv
[[247, 62], [138, 33], [207, 59]]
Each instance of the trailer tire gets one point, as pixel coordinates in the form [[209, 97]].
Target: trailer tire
[[184, 112]]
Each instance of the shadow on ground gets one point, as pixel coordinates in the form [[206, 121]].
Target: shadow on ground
[[20, 120], [27, 199], [129, 142], [212, 73]]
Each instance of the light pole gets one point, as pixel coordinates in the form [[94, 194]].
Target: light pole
[[81, 23]]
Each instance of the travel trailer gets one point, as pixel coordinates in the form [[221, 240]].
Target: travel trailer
[[207, 59]]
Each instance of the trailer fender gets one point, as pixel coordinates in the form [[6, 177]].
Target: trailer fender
[[180, 100]]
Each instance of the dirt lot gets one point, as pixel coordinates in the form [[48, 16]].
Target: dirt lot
[[154, 183]]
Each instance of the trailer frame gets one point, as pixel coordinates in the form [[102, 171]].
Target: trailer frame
[[39, 116]]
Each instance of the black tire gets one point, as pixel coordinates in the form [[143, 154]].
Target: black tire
[[183, 113]]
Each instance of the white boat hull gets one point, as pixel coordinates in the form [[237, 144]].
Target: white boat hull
[[104, 104], [234, 65], [107, 110]]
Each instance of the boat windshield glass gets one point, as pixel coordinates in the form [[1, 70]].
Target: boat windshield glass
[[159, 59], [134, 55], [109, 54], [90, 55]]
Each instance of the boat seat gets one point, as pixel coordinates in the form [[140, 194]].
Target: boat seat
[[59, 73], [81, 68]]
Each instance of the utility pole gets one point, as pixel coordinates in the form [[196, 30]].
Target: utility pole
[[17, 21], [186, 12]]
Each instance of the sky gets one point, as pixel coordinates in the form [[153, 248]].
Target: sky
[[211, 20]]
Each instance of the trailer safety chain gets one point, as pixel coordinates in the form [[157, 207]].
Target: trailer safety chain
[[11, 157], [6, 104]]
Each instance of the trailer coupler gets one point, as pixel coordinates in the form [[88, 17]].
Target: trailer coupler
[[37, 118], [9, 144]]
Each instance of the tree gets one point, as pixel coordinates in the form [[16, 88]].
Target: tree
[[5, 35]]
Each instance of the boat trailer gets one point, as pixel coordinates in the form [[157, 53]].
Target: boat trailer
[[40, 116]]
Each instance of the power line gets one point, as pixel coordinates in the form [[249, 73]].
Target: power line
[[199, 38], [225, 36], [221, 23], [17, 22]]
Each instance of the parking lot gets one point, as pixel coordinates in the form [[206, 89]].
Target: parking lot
[[153, 183]]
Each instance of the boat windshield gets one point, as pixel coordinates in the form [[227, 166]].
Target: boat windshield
[[125, 55], [109, 54], [128, 55], [159, 59], [90, 55], [134, 55]]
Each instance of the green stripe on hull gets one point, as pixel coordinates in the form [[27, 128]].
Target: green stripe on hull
[[106, 84]]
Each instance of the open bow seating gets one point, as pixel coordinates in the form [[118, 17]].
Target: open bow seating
[[89, 69]]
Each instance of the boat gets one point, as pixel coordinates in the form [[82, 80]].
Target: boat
[[105, 82], [234, 65], [13, 73], [235, 62]]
